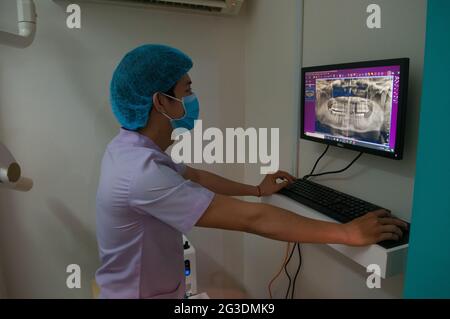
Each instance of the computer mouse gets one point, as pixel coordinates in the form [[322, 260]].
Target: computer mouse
[[280, 180]]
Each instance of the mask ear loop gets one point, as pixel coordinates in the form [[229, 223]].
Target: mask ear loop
[[164, 113], [182, 103], [172, 97]]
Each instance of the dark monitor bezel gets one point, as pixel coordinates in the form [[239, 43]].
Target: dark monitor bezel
[[402, 103]]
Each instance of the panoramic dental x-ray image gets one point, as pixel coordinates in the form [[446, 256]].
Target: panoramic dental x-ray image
[[355, 108]]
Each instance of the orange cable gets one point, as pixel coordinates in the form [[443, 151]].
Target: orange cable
[[281, 269]]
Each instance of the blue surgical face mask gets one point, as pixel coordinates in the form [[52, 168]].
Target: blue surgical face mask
[[191, 112]]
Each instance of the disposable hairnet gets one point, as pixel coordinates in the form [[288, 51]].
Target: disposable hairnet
[[142, 72]]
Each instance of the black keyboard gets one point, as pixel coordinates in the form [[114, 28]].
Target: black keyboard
[[339, 206]]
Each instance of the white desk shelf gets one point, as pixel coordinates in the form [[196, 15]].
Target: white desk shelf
[[391, 261]]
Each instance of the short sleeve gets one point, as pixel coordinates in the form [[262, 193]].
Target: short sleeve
[[163, 193], [180, 168]]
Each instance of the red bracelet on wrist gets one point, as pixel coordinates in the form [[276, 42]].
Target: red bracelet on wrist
[[259, 190]]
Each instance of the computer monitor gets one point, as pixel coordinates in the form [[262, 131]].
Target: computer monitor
[[359, 106]]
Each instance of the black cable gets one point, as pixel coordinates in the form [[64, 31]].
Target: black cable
[[286, 271], [318, 160], [297, 244], [336, 172], [311, 174], [298, 270]]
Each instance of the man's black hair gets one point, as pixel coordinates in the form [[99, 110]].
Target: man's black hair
[[171, 92]]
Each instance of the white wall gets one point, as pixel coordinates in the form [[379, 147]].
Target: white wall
[[55, 117], [56, 120], [333, 32], [272, 65]]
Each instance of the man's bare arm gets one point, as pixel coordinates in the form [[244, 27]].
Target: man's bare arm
[[280, 224], [224, 186]]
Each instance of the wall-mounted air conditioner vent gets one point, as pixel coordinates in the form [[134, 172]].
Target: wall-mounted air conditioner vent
[[230, 7]]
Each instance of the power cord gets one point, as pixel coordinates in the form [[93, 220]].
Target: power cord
[[298, 270], [288, 248], [335, 172], [318, 160], [297, 245], [287, 272]]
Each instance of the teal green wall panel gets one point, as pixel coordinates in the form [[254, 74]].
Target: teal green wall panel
[[428, 270]]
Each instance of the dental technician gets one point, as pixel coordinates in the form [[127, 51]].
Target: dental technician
[[145, 201]]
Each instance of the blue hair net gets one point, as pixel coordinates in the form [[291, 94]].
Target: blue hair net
[[143, 72]]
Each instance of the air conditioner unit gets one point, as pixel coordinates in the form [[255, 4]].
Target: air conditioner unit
[[224, 7]]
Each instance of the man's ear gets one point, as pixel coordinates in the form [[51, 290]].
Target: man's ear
[[157, 103]]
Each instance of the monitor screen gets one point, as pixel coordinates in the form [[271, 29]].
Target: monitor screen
[[360, 106]]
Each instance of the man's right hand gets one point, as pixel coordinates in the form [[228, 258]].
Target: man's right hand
[[374, 227], [276, 223]]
